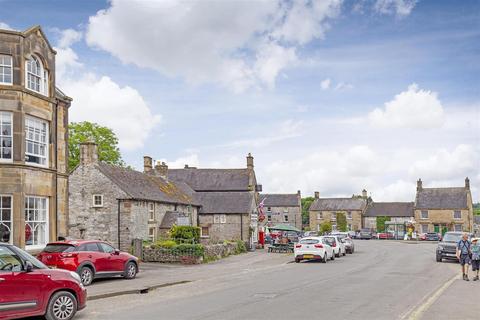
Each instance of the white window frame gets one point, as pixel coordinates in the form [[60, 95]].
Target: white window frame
[[6, 114], [201, 232], [3, 66], [421, 214], [285, 210], [94, 203], [424, 226], [36, 123], [2, 222], [320, 216], [219, 218], [285, 218], [456, 225], [151, 236], [151, 211], [454, 213], [269, 218], [349, 227], [269, 209], [46, 222], [333, 217], [41, 76], [349, 215]]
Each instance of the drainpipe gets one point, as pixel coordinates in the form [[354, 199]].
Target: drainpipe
[[56, 170], [118, 223], [241, 226]]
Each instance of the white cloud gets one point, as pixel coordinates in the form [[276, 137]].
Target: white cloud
[[414, 108], [325, 84], [343, 86], [400, 8], [238, 45], [68, 37], [5, 26], [66, 63], [398, 191], [179, 163]]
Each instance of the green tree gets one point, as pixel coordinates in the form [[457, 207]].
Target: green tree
[[476, 208], [104, 137], [306, 202], [381, 223], [325, 227], [341, 222]]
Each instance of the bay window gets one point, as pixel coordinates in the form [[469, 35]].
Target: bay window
[[6, 70], [36, 221], [6, 219], [6, 136], [36, 140]]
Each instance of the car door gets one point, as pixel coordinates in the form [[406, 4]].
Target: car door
[[91, 252], [20, 291], [116, 261]]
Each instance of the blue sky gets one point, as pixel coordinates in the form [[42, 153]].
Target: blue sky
[[331, 95]]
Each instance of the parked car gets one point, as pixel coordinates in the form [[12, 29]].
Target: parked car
[[337, 245], [352, 234], [313, 248], [346, 240], [91, 259], [28, 288], [447, 248], [430, 236], [307, 234], [385, 235], [365, 234]]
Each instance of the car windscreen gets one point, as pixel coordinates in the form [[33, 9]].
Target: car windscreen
[[452, 237], [27, 257], [330, 240], [341, 236], [309, 241], [59, 247]]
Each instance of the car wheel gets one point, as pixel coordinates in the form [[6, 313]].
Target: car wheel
[[324, 259], [439, 258], [344, 253], [337, 254], [130, 270], [333, 256], [62, 306], [86, 275], [297, 260]]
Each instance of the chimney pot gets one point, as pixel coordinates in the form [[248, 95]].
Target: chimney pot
[[88, 153], [419, 184], [147, 164], [364, 194], [161, 169], [467, 183], [299, 193], [317, 195], [249, 161]]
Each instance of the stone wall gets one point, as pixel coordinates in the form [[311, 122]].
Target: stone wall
[[444, 217], [236, 227]]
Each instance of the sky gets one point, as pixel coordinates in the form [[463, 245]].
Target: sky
[[331, 96]]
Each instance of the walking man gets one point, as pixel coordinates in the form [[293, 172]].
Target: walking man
[[463, 254], [475, 257]]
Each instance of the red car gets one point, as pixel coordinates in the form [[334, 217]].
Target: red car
[[28, 288], [91, 259]]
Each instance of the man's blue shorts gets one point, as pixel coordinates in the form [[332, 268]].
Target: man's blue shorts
[[465, 259]]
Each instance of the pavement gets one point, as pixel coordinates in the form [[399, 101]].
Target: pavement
[[381, 280]]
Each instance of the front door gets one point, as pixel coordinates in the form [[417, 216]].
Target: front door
[[436, 228]]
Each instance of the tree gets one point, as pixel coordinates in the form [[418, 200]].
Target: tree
[[104, 137], [306, 202], [381, 223], [325, 227], [341, 222]]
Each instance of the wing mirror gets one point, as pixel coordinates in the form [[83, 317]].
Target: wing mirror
[[117, 252], [28, 267]]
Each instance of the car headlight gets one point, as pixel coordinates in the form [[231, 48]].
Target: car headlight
[[440, 248], [76, 277]]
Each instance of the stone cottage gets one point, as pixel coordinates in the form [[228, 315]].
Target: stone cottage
[[117, 204], [443, 209], [282, 208], [229, 199], [33, 142], [399, 213], [325, 210]]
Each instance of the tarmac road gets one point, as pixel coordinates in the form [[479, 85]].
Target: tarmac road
[[381, 280]]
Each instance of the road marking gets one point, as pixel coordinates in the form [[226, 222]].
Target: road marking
[[417, 313]]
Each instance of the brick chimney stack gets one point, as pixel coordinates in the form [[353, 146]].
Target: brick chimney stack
[[419, 184], [88, 153], [317, 195], [250, 161], [161, 168], [467, 183], [147, 164]]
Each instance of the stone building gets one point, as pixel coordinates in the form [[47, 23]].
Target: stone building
[[398, 212], [117, 204], [443, 209], [282, 208], [229, 199], [33, 142], [325, 210]]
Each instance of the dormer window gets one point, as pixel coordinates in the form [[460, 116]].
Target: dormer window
[[36, 76]]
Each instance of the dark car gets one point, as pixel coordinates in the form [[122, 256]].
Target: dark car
[[91, 259], [432, 236], [447, 248], [365, 234], [29, 288]]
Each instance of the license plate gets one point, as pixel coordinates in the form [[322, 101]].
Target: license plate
[[451, 255], [308, 256]]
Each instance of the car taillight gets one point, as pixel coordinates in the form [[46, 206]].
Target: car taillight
[[68, 255], [334, 245], [298, 246], [318, 246]]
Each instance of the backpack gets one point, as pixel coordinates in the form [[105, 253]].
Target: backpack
[[465, 244]]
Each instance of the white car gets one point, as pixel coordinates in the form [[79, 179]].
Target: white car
[[337, 245], [313, 248]]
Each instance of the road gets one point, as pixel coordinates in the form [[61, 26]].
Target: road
[[381, 280]]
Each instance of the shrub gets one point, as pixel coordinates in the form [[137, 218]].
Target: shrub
[[165, 244], [341, 222], [325, 227], [195, 250], [185, 232], [241, 248]]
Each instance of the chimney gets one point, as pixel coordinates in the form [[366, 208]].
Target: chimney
[[299, 193], [317, 195], [467, 183], [364, 194], [162, 169], [88, 153], [419, 184], [186, 166], [250, 161], [147, 164]]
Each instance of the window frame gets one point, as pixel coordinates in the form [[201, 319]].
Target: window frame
[[2, 114], [94, 203], [46, 222], [422, 228], [42, 76], [456, 225], [269, 218], [47, 142], [151, 211], [219, 218], [11, 215], [349, 215], [421, 214], [285, 218], [151, 236], [202, 235], [2, 82], [319, 215], [459, 212]]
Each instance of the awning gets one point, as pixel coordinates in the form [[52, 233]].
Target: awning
[[284, 227]]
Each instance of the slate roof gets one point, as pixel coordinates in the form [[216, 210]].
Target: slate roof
[[212, 179], [390, 209], [279, 200], [141, 186], [442, 198], [340, 204], [225, 202]]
